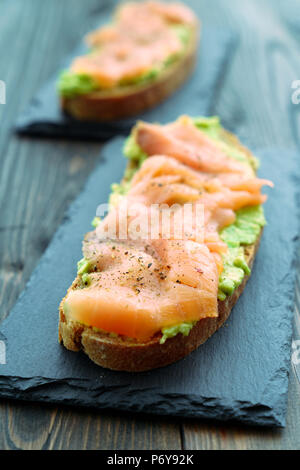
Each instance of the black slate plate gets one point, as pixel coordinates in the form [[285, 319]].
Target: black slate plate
[[241, 373], [43, 116]]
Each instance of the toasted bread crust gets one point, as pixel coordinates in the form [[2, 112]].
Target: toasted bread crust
[[122, 354], [129, 101]]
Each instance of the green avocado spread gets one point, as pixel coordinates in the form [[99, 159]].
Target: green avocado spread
[[244, 231], [72, 84]]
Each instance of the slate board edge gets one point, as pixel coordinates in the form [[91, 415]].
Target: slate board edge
[[283, 397], [187, 406]]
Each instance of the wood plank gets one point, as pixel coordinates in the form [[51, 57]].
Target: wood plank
[[34, 426]]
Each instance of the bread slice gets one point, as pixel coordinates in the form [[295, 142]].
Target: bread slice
[[123, 354], [131, 100]]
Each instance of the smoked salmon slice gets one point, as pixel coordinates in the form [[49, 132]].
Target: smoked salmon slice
[[141, 38], [140, 289], [139, 285], [183, 141]]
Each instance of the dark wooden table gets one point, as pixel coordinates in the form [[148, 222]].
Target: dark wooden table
[[39, 178]]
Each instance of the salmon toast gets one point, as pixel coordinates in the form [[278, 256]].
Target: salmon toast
[[134, 63], [154, 289]]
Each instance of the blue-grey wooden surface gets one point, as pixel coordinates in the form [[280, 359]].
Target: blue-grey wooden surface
[[39, 178]]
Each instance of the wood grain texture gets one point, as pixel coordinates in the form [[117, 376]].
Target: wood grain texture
[[39, 178], [34, 427]]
